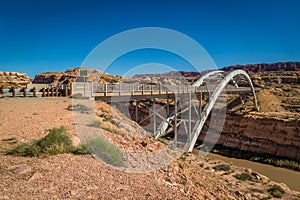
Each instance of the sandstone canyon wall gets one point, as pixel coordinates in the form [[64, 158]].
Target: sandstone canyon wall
[[259, 134]]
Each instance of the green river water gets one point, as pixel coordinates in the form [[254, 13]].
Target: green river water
[[289, 177]]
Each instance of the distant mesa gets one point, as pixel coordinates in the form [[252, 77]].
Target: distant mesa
[[254, 68]]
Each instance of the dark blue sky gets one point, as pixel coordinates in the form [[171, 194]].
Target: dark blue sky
[[39, 36]]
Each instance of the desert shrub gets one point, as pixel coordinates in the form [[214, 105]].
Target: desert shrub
[[222, 167], [95, 124], [276, 191], [80, 150], [266, 198], [56, 142], [181, 164], [109, 118], [251, 190], [243, 176], [111, 129], [9, 139], [78, 96], [103, 149], [78, 107]]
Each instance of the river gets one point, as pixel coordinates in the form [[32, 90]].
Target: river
[[289, 177]]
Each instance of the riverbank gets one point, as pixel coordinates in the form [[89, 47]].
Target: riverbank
[[289, 177], [279, 169], [268, 159]]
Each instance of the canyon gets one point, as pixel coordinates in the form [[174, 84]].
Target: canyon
[[273, 130]]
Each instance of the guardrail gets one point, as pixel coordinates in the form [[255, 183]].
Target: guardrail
[[44, 92], [125, 89], [139, 89]]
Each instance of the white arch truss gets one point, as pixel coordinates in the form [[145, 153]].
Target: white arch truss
[[164, 125], [213, 99]]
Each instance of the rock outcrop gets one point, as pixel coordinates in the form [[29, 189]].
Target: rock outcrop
[[72, 75], [13, 79], [54, 78]]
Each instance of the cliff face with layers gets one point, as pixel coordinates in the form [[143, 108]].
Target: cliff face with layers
[[260, 134]]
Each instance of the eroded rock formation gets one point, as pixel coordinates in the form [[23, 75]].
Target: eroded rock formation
[[72, 75], [13, 79]]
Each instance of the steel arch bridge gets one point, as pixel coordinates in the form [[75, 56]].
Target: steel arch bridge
[[209, 88], [236, 77]]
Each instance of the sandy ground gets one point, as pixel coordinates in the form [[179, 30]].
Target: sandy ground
[[69, 176]]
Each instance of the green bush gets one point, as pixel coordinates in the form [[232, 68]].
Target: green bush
[[56, 142], [222, 167], [104, 150], [243, 177], [276, 191]]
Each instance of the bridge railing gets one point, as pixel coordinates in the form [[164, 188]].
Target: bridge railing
[[108, 89], [141, 88]]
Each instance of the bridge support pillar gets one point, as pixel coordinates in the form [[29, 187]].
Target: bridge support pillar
[[175, 119], [44, 92], [168, 105], [24, 92], [190, 116], [200, 103], [34, 92], [13, 92], [154, 116], [136, 111]]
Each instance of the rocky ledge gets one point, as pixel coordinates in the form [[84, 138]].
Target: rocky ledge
[[14, 79]]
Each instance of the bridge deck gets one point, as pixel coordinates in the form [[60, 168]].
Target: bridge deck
[[119, 92]]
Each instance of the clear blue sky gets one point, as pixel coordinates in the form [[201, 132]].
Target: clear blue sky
[[39, 36]]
